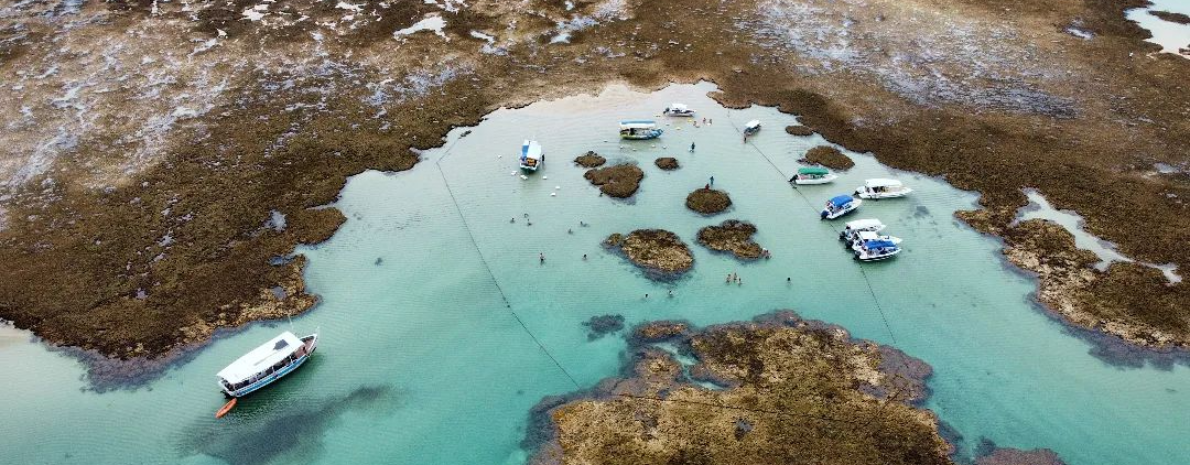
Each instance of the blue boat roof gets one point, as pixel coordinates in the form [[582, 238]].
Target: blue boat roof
[[841, 200], [878, 243]]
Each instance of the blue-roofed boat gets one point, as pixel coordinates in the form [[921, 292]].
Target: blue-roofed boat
[[839, 205], [266, 364], [876, 250], [860, 238], [531, 156], [642, 129]]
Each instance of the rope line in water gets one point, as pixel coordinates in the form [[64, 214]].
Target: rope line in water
[[488, 268]]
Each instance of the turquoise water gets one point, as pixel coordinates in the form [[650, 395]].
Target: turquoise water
[[428, 358]]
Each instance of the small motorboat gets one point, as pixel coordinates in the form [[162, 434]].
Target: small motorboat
[[876, 250], [839, 205], [752, 127], [876, 189], [531, 156], [679, 110], [863, 237], [266, 364], [639, 130], [853, 227], [813, 175]]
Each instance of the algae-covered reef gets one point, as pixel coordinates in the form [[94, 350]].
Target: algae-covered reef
[[732, 236], [708, 201], [660, 253], [829, 157], [792, 391], [620, 181]]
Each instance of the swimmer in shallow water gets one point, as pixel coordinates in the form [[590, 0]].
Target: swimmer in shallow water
[[541, 256]]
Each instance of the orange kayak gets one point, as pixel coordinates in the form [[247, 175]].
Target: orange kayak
[[226, 408]]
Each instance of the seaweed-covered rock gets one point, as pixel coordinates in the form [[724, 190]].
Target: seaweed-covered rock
[[661, 253], [1172, 17], [602, 325], [659, 331], [590, 160], [708, 201], [1008, 456], [798, 130], [829, 157], [667, 163], [732, 236], [620, 181]]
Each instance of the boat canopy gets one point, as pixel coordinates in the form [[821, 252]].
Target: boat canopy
[[841, 200], [638, 124], [530, 150], [879, 243], [261, 358], [813, 171], [680, 107], [752, 124], [867, 235], [866, 223], [882, 183]]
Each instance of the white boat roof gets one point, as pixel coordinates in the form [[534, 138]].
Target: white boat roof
[[679, 107], [638, 124], [531, 149], [261, 358], [864, 223], [865, 235], [882, 183], [753, 123]]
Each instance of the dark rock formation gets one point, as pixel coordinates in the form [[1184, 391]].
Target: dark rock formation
[[602, 325], [798, 130], [829, 157], [708, 201], [733, 236], [667, 163], [661, 253], [590, 160], [620, 181]]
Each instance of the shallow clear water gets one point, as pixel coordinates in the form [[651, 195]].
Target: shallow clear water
[[1169, 35], [445, 358]]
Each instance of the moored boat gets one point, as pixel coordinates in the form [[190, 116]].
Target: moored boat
[[876, 250], [853, 227], [752, 127], [813, 175], [882, 189], [639, 130], [266, 364], [680, 110], [531, 156], [863, 237], [839, 205]]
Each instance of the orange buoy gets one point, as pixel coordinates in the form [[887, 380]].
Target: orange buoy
[[226, 408]]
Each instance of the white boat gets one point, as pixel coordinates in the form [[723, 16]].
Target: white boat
[[864, 237], [639, 130], [839, 205], [265, 364], [752, 127], [853, 227], [531, 156], [678, 109], [813, 175], [882, 189], [876, 250]]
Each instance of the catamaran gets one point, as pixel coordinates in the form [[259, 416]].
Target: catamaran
[[882, 189], [875, 250], [853, 227], [752, 127], [531, 156], [864, 237], [266, 364], [639, 130], [839, 205], [678, 109], [813, 175]]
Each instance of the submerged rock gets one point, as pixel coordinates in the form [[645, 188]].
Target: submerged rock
[[590, 160], [620, 181], [661, 253], [708, 201], [602, 325], [659, 331], [1020, 457], [808, 373], [829, 157], [798, 130], [667, 163], [732, 236]]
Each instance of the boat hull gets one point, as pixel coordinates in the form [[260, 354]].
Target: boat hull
[[646, 136], [875, 258], [277, 375], [829, 215], [680, 114], [864, 194]]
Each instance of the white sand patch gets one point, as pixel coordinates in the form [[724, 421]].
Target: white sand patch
[[432, 23]]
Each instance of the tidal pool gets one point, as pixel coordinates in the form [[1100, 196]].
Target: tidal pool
[[441, 329]]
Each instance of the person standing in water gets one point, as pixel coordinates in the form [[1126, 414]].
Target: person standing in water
[[712, 181], [541, 256], [692, 147]]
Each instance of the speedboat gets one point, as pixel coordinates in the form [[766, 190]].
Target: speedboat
[[531, 156], [876, 189], [266, 364], [839, 205], [752, 127], [813, 175], [876, 250], [639, 130], [853, 227], [863, 237], [678, 109]]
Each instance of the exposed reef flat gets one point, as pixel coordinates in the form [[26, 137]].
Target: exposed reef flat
[[829, 157], [667, 163], [793, 391], [1172, 17], [661, 253], [620, 181], [798, 130], [708, 201], [590, 160], [732, 236]]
